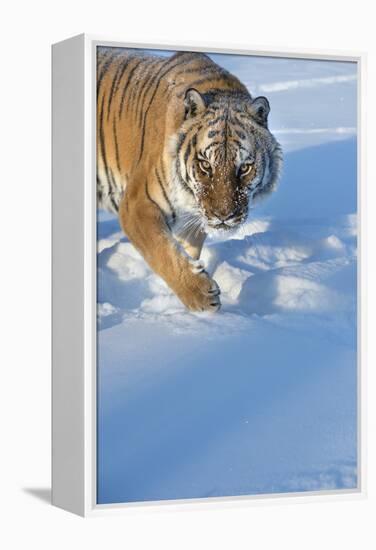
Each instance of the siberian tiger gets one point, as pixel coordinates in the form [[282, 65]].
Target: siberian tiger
[[182, 151]]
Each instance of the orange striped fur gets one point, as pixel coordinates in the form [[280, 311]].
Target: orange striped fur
[[182, 151]]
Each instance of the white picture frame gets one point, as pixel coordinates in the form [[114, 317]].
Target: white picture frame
[[74, 278]]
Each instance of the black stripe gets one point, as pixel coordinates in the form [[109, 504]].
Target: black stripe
[[114, 205], [112, 188], [102, 143], [163, 171], [181, 179], [216, 120], [127, 84], [116, 145], [105, 68], [233, 120], [155, 76], [186, 156], [182, 137], [160, 70], [194, 172], [238, 143], [137, 83], [212, 111], [213, 144], [240, 134], [115, 82], [243, 126], [162, 75], [181, 140], [99, 190], [165, 194], [213, 107], [125, 65], [155, 203], [113, 183], [142, 93], [187, 152], [213, 133]]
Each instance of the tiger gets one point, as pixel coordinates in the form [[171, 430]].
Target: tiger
[[183, 151]]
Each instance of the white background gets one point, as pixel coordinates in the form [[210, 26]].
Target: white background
[[28, 29]]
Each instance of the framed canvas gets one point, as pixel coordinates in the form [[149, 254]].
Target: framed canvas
[[206, 275]]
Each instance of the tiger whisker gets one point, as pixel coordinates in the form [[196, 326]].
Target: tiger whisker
[[186, 225]]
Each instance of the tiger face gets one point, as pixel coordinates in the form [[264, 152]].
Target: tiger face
[[227, 157]]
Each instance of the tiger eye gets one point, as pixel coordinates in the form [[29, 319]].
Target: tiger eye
[[205, 165], [245, 168]]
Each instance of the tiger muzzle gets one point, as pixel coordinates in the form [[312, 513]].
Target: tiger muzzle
[[222, 219]]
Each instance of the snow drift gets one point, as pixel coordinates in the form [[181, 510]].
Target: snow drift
[[260, 398]]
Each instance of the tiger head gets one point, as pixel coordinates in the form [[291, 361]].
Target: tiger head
[[226, 156]]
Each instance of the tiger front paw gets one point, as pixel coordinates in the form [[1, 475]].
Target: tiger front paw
[[198, 291]]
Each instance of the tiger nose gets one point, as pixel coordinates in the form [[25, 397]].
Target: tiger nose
[[225, 216]]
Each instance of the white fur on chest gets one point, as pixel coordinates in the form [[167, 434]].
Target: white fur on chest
[[185, 206]]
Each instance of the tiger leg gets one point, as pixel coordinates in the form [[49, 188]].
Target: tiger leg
[[192, 244], [144, 223]]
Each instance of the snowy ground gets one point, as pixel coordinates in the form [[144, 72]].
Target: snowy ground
[[260, 398]]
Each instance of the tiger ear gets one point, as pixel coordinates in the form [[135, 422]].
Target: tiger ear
[[194, 103], [260, 110]]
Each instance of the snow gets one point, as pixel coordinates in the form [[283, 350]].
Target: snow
[[261, 397]]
